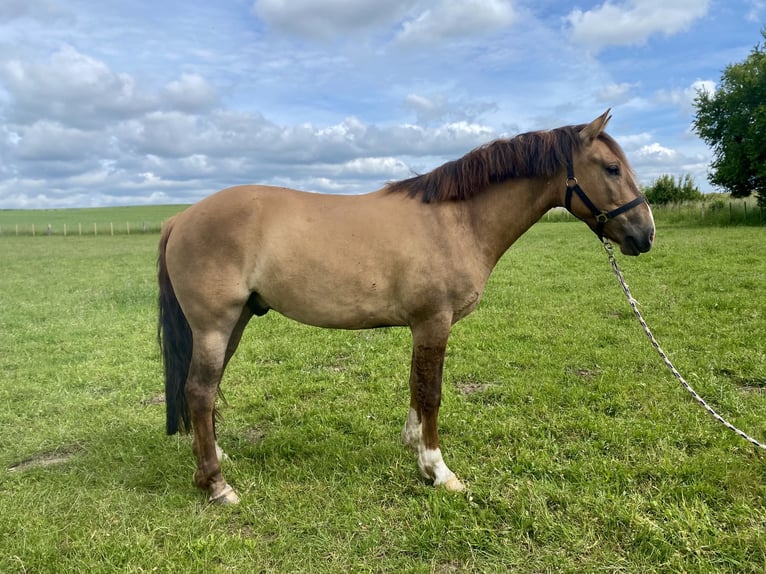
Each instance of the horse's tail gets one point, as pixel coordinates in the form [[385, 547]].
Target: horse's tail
[[175, 339]]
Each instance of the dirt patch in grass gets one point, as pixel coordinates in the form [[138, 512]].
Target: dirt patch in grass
[[155, 400], [745, 384], [468, 388], [59, 455], [254, 435], [585, 373], [757, 386]]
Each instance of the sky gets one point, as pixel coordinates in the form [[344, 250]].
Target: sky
[[164, 102]]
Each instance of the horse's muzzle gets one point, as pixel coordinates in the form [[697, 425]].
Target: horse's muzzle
[[636, 244]]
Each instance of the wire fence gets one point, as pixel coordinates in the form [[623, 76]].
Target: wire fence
[[80, 229]]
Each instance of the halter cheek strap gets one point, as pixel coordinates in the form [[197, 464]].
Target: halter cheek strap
[[601, 215]]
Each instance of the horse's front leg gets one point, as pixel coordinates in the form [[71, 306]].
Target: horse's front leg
[[429, 342]]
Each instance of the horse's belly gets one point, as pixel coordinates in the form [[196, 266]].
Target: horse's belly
[[335, 304], [340, 316]]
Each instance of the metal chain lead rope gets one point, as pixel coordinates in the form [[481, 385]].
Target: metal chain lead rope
[[634, 305]]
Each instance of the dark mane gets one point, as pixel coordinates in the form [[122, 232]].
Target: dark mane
[[533, 154]]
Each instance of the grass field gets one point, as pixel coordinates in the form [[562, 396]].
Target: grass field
[[580, 452]]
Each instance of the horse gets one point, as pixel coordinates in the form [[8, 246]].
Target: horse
[[416, 253]]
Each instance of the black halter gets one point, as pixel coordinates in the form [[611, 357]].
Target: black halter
[[601, 215]]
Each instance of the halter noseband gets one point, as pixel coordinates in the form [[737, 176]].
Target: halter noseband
[[601, 215]]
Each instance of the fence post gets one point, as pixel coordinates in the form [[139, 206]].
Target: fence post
[[49, 230], [95, 230], [79, 229], [127, 225], [65, 230], [33, 230], [111, 229]]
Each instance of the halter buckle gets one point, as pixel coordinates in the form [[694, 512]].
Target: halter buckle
[[602, 217], [571, 182]]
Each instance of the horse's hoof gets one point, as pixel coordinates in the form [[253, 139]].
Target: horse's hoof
[[227, 496], [453, 484]]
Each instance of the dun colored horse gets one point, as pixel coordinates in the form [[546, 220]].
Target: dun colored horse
[[415, 253]]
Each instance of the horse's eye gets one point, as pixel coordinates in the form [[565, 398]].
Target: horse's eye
[[613, 169]]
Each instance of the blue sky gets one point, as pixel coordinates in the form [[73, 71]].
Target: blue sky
[[126, 103]]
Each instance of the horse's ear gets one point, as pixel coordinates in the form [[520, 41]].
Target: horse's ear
[[593, 129]]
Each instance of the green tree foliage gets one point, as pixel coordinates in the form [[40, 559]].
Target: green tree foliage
[[732, 120], [665, 189]]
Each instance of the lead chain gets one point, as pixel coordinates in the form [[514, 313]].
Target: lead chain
[[634, 305]]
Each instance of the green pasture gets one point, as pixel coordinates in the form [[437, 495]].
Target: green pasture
[[580, 451]]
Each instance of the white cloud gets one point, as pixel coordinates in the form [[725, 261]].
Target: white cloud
[[632, 22], [439, 108], [99, 136], [614, 94], [633, 142], [377, 166], [41, 10], [419, 21], [684, 97], [72, 88], [656, 152], [757, 8], [455, 19], [654, 159], [190, 92], [52, 141], [329, 19]]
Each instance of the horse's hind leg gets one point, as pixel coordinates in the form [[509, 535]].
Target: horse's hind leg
[[205, 372], [420, 430], [231, 348]]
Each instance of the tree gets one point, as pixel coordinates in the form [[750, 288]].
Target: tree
[[732, 120], [665, 189]]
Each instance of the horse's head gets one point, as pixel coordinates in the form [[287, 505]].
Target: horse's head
[[602, 191]]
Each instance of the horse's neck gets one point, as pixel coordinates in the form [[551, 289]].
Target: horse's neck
[[504, 212]]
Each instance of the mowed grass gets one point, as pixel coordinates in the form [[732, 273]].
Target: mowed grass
[[580, 451]]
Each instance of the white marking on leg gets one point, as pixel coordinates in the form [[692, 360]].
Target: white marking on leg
[[431, 465], [412, 432], [220, 454]]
